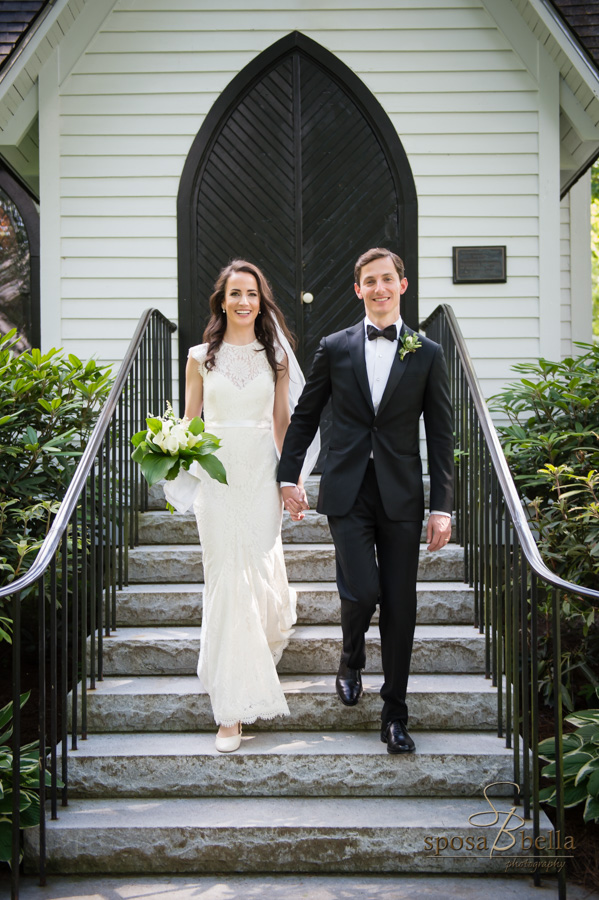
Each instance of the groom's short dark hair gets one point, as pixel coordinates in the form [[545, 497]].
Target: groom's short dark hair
[[378, 253]]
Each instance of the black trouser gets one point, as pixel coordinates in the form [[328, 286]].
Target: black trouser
[[377, 562]]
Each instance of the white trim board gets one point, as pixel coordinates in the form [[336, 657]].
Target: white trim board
[[581, 287], [50, 220]]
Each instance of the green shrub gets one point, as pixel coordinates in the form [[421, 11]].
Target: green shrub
[[49, 404], [29, 783], [552, 446], [580, 764]]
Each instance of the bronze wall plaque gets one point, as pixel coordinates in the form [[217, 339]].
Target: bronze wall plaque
[[472, 265]]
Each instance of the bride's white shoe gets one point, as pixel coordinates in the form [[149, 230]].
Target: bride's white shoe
[[229, 744]]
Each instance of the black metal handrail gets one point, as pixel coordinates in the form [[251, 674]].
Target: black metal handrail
[[503, 564], [84, 559]]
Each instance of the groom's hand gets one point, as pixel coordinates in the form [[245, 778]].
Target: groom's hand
[[438, 531], [295, 501]]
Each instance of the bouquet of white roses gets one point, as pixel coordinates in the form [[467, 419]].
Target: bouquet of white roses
[[170, 445]]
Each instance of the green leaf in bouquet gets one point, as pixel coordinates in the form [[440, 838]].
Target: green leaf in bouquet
[[174, 471], [155, 425], [155, 468], [205, 448], [214, 467], [213, 438], [196, 426], [140, 453], [137, 439], [154, 448]]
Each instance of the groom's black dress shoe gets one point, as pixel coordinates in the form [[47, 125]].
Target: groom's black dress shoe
[[349, 685], [396, 737]]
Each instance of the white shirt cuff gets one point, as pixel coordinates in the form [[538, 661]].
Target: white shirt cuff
[[287, 484], [438, 512]]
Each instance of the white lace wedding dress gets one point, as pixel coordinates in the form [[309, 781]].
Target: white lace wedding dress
[[248, 607]]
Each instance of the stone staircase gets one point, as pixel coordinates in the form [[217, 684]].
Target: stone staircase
[[313, 792]]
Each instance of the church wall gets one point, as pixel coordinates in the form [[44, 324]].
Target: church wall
[[467, 108]]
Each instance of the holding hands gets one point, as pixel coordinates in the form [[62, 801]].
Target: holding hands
[[295, 501]]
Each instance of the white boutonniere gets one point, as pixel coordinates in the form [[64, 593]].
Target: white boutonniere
[[410, 343]]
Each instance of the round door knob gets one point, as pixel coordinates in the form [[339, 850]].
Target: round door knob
[[307, 297]]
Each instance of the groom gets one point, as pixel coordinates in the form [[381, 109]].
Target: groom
[[380, 378]]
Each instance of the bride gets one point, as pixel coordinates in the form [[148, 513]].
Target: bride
[[240, 377]]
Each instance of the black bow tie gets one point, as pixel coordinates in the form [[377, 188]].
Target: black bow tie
[[390, 332]]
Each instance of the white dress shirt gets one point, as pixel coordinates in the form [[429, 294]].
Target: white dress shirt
[[379, 354]]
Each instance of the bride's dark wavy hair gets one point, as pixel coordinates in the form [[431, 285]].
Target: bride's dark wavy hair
[[265, 324]]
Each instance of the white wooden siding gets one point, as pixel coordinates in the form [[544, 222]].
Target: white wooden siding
[[463, 102]]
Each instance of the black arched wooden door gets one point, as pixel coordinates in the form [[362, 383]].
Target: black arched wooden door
[[298, 169]]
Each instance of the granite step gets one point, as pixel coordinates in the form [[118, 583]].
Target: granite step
[[274, 834], [439, 602], [162, 527], [182, 563], [312, 648], [180, 703], [156, 494], [290, 764]]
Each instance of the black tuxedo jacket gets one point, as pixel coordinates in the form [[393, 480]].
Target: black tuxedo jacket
[[417, 384]]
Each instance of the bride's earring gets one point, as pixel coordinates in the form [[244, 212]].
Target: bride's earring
[[223, 309]]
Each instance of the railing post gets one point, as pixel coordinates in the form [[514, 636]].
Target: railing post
[[41, 614], [16, 743], [558, 729], [84, 604], [525, 686], [486, 566], [53, 691], [500, 583], [75, 630], [534, 707], [510, 551], [64, 618], [515, 673]]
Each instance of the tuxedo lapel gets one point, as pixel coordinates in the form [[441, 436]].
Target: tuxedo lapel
[[398, 368], [355, 343]]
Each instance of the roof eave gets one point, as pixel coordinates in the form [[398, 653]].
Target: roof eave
[[26, 38], [568, 43]]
